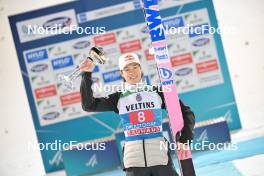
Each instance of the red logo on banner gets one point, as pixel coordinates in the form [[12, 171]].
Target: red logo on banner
[[141, 116], [105, 39], [148, 55], [70, 98], [207, 66], [130, 46], [45, 92], [143, 131], [181, 59]]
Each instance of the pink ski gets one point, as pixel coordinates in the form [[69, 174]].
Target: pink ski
[[162, 58]]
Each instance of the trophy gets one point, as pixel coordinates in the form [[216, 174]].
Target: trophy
[[96, 54]]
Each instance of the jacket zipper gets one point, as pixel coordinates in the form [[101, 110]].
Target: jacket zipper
[[144, 153]]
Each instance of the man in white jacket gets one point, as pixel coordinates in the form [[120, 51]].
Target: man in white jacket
[[140, 109]]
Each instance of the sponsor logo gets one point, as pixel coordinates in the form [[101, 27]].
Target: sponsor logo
[[26, 31], [96, 69], [81, 45], [211, 78], [173, 22], [202, 55], [56, 51], [207, 66], [71, 98], [51, 115], [105, 39], [199, 30], [46, 104], [161, 53], [138, 97], [148, 55], [154, 20], [139, 106], [160, 49], [40, 80], [161, 57], [39, 68], [141, 131], [166, 76], [36, 55], [111, 50], [193, 18], [82, 17], [57, 23], [47, 25], [201, 42], [112, 76], [130, 46], [165, 73], [125, 35], [184, 71], [45, 91], [62, 62], [181, 59]]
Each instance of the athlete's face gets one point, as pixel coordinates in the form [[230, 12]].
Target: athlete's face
[[132, 73]]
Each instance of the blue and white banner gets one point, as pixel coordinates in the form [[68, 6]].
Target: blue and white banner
[[91, 157]]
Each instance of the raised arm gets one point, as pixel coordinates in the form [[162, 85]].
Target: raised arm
[[89, 103]]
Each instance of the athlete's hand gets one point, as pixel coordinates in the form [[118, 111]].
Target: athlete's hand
[[86, 66], [183, 150]]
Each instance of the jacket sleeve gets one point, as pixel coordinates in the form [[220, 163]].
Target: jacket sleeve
[[92, 104], [186, 134], [189, 122]]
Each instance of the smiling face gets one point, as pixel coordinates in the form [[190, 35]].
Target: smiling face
[[132, 73]]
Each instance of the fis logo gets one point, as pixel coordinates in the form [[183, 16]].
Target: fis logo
[[228, 116], [203, 136], [92, 162], [57, 159]]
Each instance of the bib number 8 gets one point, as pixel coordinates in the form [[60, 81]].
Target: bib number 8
[[141, 116]]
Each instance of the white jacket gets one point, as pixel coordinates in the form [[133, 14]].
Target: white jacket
[[146, 153]]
